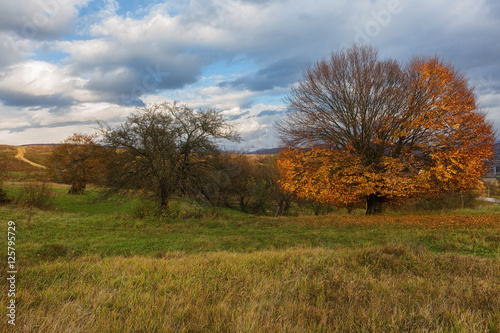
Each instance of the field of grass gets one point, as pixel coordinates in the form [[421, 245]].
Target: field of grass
[[86, 265], [39, 153], [13, 169]]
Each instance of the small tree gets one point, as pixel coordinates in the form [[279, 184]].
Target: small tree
[[268, 172], [226, 181], [4, 198], [244, 170], [78, 160], [34, 195], [3, 195], [165, 148]]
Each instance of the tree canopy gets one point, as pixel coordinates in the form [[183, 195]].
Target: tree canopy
[[361, 128], [165, 149], [78, 160]]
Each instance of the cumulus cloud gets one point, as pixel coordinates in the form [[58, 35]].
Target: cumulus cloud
[[13, 48], [38, 83], [39, 19], [281, 73], [27, 125], [132, 57], [115, 55]]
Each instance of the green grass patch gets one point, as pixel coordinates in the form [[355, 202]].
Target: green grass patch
[[105, 229], [90, 266]]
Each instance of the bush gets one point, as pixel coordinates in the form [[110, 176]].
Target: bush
[[3, 197], [259, 191], [35, 194], [144, 208], [449, 201]]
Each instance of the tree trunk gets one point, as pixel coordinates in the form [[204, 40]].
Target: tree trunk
[[283, 207], [287, 205], [163, 200], [77, 187], [243, 203], [373, 204]]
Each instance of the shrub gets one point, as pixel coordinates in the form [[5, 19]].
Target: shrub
[[144, 208], [449, 201], [3, 195], [35, 194]]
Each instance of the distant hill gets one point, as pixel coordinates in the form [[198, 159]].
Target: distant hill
[[41, 144], [12, 162], [267, 151]]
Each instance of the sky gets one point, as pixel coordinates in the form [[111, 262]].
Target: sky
[[65, 64]]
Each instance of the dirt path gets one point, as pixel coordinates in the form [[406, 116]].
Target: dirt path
[[20, 156]]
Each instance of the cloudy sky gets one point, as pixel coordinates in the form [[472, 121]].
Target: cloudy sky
[[66, 63]]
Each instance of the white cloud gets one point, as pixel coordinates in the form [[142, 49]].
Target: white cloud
[[41, 135], [252, 49], [82, 113], [35, 78], [39, 19], [36, 81], [14, 48]]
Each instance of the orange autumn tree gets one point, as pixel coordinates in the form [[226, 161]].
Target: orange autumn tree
[[361, 129], [79, 159]]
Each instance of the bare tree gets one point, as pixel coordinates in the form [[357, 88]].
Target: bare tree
[[164, 147]]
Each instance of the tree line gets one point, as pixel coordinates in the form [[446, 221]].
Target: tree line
[[168, 151], [359, 131]]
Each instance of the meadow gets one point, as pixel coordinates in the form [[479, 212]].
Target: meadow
[[86, 265]]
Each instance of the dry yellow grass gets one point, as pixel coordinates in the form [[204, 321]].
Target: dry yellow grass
[[39, 153], [17, 169], [9, 163], [21, 151], [379, 289]]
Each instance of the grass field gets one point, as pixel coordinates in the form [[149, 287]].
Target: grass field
[[13, 169], [86, 265]]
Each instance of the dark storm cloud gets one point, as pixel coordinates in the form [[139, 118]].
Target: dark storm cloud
[[238, 116], [269, 113], [279, 74], [20, 99], [133, 79]]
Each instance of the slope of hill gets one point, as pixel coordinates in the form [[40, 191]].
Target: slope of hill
[[26, 161]]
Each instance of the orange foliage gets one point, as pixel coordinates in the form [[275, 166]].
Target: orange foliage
[[454, 143], [413, 221], [78, 160], [339, 177], [463, 140]]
